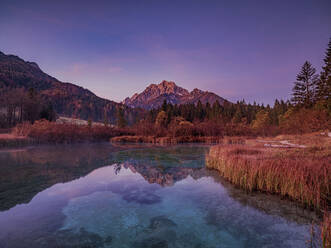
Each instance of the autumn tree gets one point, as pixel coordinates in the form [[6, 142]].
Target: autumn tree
[[262, 121], [89, 122], [304, 87], [161, 119]]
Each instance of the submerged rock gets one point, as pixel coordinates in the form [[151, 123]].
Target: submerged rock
[[142, 197], [161, 222], [159, 234], [153, 242], [71, 239]]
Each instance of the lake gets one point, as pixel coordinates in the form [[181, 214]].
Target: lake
[[104, 195]]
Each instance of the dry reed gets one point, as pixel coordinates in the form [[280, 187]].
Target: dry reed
[[303, 175]]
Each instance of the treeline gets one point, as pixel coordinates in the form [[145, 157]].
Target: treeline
[[214, 120], [18, 105], [308, 110]]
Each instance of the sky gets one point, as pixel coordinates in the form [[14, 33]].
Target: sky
[[248, 50]]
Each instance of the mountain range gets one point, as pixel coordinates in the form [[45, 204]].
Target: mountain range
[[70, 100], [155, 94], [67, 99]]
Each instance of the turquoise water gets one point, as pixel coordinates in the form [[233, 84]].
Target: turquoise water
[[135, 196]]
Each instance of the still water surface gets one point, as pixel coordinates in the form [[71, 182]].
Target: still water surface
[[101, 195]]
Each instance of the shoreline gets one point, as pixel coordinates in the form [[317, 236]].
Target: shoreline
[[12, 141], [298, 172]]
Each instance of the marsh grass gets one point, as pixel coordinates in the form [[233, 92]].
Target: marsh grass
[[303, 175], [296, 174], [14, 141], [326, 230]]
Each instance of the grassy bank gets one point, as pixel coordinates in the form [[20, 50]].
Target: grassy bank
[[166, 140], [45, 132], [178, 140], [10, 140], [301, 172]]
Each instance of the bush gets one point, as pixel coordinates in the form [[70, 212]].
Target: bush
[[304, 121], [45, 131]]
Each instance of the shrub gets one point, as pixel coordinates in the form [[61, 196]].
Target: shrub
[[304, 121], [45, 131]]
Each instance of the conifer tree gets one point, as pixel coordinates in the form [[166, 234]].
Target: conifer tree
[[216, 110], [199, 111], [121, 122], [208, 111], [303, 90], [164, 105], [323, 88]]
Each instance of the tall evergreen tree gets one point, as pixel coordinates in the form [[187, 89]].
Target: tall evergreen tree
[[199, 111], [323, 89], [164, 105], [216, 110], [304, 87], [121, 122]]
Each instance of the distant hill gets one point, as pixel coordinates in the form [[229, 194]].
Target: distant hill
[[67, 99], [154, 95]]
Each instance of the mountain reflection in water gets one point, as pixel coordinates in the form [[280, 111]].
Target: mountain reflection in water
[[147, 196]]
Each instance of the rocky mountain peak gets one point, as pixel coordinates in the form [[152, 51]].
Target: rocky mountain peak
[[166, 87], [154, 95], [196, 91]]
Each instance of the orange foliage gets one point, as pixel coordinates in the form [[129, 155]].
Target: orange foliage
[[45, 131], [304, 121]]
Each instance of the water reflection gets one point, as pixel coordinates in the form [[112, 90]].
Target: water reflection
[[148, 197], [26, 172]]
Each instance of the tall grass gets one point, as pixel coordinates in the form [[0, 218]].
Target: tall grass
[[303, 175], [326, 230], [291, 174]]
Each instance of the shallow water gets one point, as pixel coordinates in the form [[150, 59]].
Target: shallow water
[[100, 195]]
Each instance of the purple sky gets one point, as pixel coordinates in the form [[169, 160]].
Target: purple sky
[[237, 49]]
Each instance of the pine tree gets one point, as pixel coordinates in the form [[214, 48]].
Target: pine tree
[[216, 110], [239, 113], [208, 111], [199, 111], [32, 106], [323, 89], [121, 122], [304, 87], [164, 105]]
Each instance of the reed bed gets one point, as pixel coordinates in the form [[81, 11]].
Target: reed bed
[[302, 178], [303, 175], [326, 230], [166, 140], [15, 141]]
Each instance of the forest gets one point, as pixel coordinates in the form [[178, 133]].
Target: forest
[[308, 110]]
